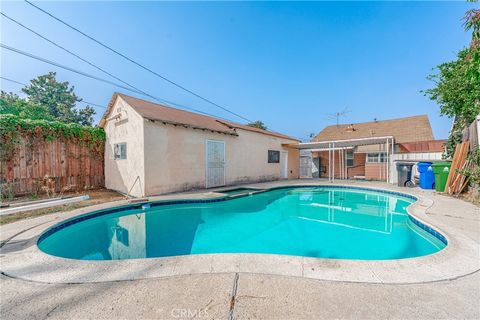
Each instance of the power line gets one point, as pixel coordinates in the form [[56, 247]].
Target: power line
[[64, 67], [135, 89], [81, 101], [97, 78], [77, 56], [145, 68], [7, 79], [135, 62]]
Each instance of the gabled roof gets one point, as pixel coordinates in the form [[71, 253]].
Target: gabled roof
[[410, 129], [159, 112]]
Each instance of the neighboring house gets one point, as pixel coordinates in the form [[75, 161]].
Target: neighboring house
[[153, 149], [368, 160]]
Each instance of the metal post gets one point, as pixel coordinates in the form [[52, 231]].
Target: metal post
[[333, 176], [341, 163], [340, 160], [329, 162], [388, 160], [393, 150], [346, 168]]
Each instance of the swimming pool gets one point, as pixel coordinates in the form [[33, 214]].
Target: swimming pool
[[323, 222]]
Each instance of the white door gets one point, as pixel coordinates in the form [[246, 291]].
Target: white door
[[305, 167], [215, 163], [283, 165]]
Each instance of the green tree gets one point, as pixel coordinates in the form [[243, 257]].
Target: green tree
[[11, 103], [457, 84], [257, 124], [59, 99]]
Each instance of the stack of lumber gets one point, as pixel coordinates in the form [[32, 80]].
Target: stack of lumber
[[456, 181]]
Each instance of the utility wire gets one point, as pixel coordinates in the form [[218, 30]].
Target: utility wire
[[145, 68], [64, 67], [135, 89], [74, 54], [99, 68], [135, 62], [97, 78], [84, 60], [81, 101], [132, 88], [7, 79]]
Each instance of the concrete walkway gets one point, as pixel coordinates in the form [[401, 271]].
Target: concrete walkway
[[246, 295]]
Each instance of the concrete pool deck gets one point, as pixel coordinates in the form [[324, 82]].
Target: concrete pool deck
[[269, 279]]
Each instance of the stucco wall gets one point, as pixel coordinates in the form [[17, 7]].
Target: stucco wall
[[175, 157], [121, 174]]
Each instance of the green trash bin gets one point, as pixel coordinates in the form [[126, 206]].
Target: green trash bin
[[441, 170]]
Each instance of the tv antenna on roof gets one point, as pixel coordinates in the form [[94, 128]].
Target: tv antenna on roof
[[339, 114]]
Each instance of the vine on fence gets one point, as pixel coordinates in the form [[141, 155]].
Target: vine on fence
[[13, 129]]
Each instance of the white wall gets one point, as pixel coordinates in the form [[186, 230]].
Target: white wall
[[121, 174], [411, 157], [175, 157]]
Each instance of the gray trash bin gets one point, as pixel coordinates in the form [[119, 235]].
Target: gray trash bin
[[404, 170]]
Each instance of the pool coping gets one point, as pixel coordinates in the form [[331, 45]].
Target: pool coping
[[459, 258]]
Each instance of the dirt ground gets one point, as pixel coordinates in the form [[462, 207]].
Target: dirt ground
[[96, 197], [472, 196]]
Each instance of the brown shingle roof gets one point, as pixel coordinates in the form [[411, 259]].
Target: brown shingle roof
[[254, 129], [155, 111], [410, 129]]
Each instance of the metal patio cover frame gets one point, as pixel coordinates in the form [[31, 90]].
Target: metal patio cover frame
[[335, 145]]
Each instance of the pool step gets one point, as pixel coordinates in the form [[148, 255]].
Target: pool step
[[137, 200]]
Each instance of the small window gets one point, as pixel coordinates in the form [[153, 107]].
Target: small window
[[120, 151], [383, 157], [349, 158], [372, 157], [273, 156], [376, 157]]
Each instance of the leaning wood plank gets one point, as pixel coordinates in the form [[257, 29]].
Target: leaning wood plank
[[459, 178], [465, 166], [459, 165], [452, 167], [466, 181], [451, 175], [453, 171]]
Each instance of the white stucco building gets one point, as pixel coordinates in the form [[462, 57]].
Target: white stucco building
[[153, 149]]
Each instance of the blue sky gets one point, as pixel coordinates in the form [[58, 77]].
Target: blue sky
[[287, 64]]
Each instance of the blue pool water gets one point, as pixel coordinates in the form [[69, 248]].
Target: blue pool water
[[322, 222]]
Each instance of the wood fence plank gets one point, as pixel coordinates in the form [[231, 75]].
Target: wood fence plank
[[71, 165]]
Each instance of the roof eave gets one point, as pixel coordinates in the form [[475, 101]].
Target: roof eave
[[191, 126]]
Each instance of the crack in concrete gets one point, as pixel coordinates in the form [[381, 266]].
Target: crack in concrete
[[50, 312], [231, 314]]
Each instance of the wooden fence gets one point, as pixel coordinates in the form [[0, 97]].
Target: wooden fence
[[54, 166], [471, 133]]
